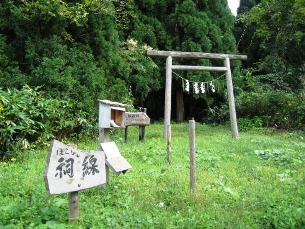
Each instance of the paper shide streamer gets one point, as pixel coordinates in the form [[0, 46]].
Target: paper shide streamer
[[212, 87], [198, 87], [202, 87], [187, 86]]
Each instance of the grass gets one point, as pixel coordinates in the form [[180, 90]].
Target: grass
[[255, 182]]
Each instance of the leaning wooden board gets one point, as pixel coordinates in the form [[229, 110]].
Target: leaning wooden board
[[116, 162]]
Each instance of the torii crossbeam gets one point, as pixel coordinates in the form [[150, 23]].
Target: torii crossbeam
[[169, 55]]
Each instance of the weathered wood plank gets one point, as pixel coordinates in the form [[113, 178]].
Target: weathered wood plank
[[111, 103], [199, 68], [114, 160], [198, 55]]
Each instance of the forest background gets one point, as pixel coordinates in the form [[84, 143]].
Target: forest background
[[58, 57]]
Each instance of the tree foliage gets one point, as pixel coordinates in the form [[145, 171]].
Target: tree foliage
[[188, 25], [274, 41], [81, 51]]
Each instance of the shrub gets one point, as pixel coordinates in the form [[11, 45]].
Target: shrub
[[264, 109], [276, 109], [26, 116], [245, 124]]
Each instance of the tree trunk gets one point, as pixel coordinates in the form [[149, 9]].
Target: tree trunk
[[180, 105]]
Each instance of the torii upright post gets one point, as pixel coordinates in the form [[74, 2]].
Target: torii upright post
[[168, 95], [231, 99]]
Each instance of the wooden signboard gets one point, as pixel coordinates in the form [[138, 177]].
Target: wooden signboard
[[71, 170], [136, 119], [114, 160]]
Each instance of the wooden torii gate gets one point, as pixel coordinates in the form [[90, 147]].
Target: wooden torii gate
[[169, 55]]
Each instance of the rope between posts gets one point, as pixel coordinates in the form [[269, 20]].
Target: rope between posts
[[197, 81]]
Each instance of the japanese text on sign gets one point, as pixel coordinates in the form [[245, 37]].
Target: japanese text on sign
[[70, 170]]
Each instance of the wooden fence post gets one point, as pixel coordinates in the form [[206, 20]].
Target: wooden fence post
[[168, 95], [233, 119], [192, 137], [169, 142]]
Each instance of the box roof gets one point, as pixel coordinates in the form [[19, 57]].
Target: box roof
[[108, 102]]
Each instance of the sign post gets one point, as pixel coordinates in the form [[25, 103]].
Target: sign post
[[70, 170], [73, 207]]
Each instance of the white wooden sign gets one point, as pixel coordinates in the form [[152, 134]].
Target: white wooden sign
[[115, 161], [70, 169], [136, 118]]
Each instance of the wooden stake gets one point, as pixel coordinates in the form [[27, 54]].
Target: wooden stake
[[233, 119], [169, 142], [73, 207], [192, 155], [126, 134], [168, 93]]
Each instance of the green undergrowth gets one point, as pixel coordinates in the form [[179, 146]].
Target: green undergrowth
[[255, 182]]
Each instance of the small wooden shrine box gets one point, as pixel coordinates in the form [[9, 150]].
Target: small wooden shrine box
[[111, 114]]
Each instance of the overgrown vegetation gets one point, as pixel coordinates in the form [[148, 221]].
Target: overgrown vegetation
[[275, 109], [76, 52], [272, 33], [28, 117], [255, 182]]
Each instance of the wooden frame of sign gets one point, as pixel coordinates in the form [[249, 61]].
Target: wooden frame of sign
[[169, 55]]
